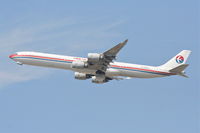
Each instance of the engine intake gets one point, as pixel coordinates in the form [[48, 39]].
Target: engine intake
[[95, 57], [79, 64], [81, 76]]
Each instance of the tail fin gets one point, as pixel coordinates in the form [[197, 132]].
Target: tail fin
[[177, 60], [177, 63]]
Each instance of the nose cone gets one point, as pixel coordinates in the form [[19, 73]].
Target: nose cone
[[12, 56]]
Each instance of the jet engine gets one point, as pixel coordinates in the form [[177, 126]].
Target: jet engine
[[95, 57], [99, 79], [81, 76], [79, 64]]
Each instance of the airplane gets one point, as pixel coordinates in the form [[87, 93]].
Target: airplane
[[101, 67]]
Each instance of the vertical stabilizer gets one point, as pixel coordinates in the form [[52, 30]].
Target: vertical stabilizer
[[177, 60]]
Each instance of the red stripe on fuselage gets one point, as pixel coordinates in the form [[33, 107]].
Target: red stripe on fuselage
[[43, 57]]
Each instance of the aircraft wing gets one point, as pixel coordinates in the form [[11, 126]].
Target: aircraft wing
[[111, 53], [106, 58]]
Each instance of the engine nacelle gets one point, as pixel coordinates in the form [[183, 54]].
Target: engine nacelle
[[95, 57], [99, 79], [81, 76], [79, 64]]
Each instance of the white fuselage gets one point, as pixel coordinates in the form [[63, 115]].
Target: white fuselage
[[65, 62]]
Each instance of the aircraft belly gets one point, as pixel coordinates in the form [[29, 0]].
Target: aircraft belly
[[113, 72], [85, 70], [142, 74]]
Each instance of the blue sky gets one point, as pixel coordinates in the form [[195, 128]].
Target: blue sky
[[34, 99]]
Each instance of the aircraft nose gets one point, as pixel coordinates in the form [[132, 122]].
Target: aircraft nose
[[12, 56]]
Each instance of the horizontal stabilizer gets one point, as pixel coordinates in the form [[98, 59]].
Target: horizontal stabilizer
[[183, 74], [179, 68]]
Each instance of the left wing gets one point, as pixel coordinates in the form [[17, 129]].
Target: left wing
[[100, 62]]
